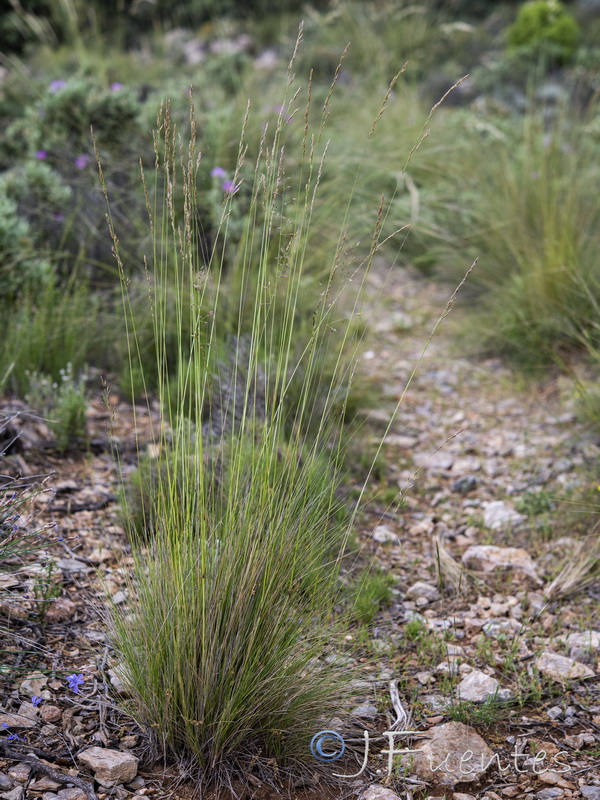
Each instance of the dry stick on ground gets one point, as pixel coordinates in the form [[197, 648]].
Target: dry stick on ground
[[37, 766]]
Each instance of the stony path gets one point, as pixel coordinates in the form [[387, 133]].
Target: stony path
[[498, 661]]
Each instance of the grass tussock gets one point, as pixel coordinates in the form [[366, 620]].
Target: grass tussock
[[239, 525]]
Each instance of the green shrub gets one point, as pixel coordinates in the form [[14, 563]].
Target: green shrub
[[372, 594], [546, 28], [20, 266], [49, 327], [64, 403]]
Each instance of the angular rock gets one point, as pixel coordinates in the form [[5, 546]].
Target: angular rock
[[378, 792], [116, 681], [20, 772], [422, 589], [365, 711], [550, 794], [6, 782], [435, 462], [477, 687], [580, 740], [18, 793], [454, 753], [50, 713], [436, 702], [45, 783], [497, 515], [73, 565], [582, 640], [590, 792], [34, 684], [505, 626], [466, 464], [560, 668], [10, 720], [463, 485], [401, 441], [72, 793], [383, 534], [463, 796], [109, 766], [61, 610], [489, 557], [28, 710]]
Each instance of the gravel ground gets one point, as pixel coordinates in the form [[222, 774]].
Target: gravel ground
[[482, 649]]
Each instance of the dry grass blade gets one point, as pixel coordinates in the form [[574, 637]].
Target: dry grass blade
[[582, 568], [450, 573]]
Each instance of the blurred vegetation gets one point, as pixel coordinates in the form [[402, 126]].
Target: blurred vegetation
[[504, 171]]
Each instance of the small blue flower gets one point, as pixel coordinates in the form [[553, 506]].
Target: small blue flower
[[75, 681], [56, 86], [12, 736], [218, 172], [36, 700]]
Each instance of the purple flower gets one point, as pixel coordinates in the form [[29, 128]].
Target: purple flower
[[41, 154], [116, 86], [82, 161], [218, 172], [229, 187], [35, 700], [13, 736], [56, 86], [75, 681]]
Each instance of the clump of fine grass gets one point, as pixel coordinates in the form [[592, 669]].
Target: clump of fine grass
[[231, 619], [524, 210], [373, 593]]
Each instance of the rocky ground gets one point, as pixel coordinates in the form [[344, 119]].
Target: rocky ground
[[487, 654]]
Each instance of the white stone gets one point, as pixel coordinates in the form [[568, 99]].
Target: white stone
[[422, 589], [463, 466], [117, 682], [477, 687], [109, 766], [497, 515], [583, 640], [378, 792], [365, 711], [436, 462], [504, 626], [383, 534], [489, 557], [560, 668]]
